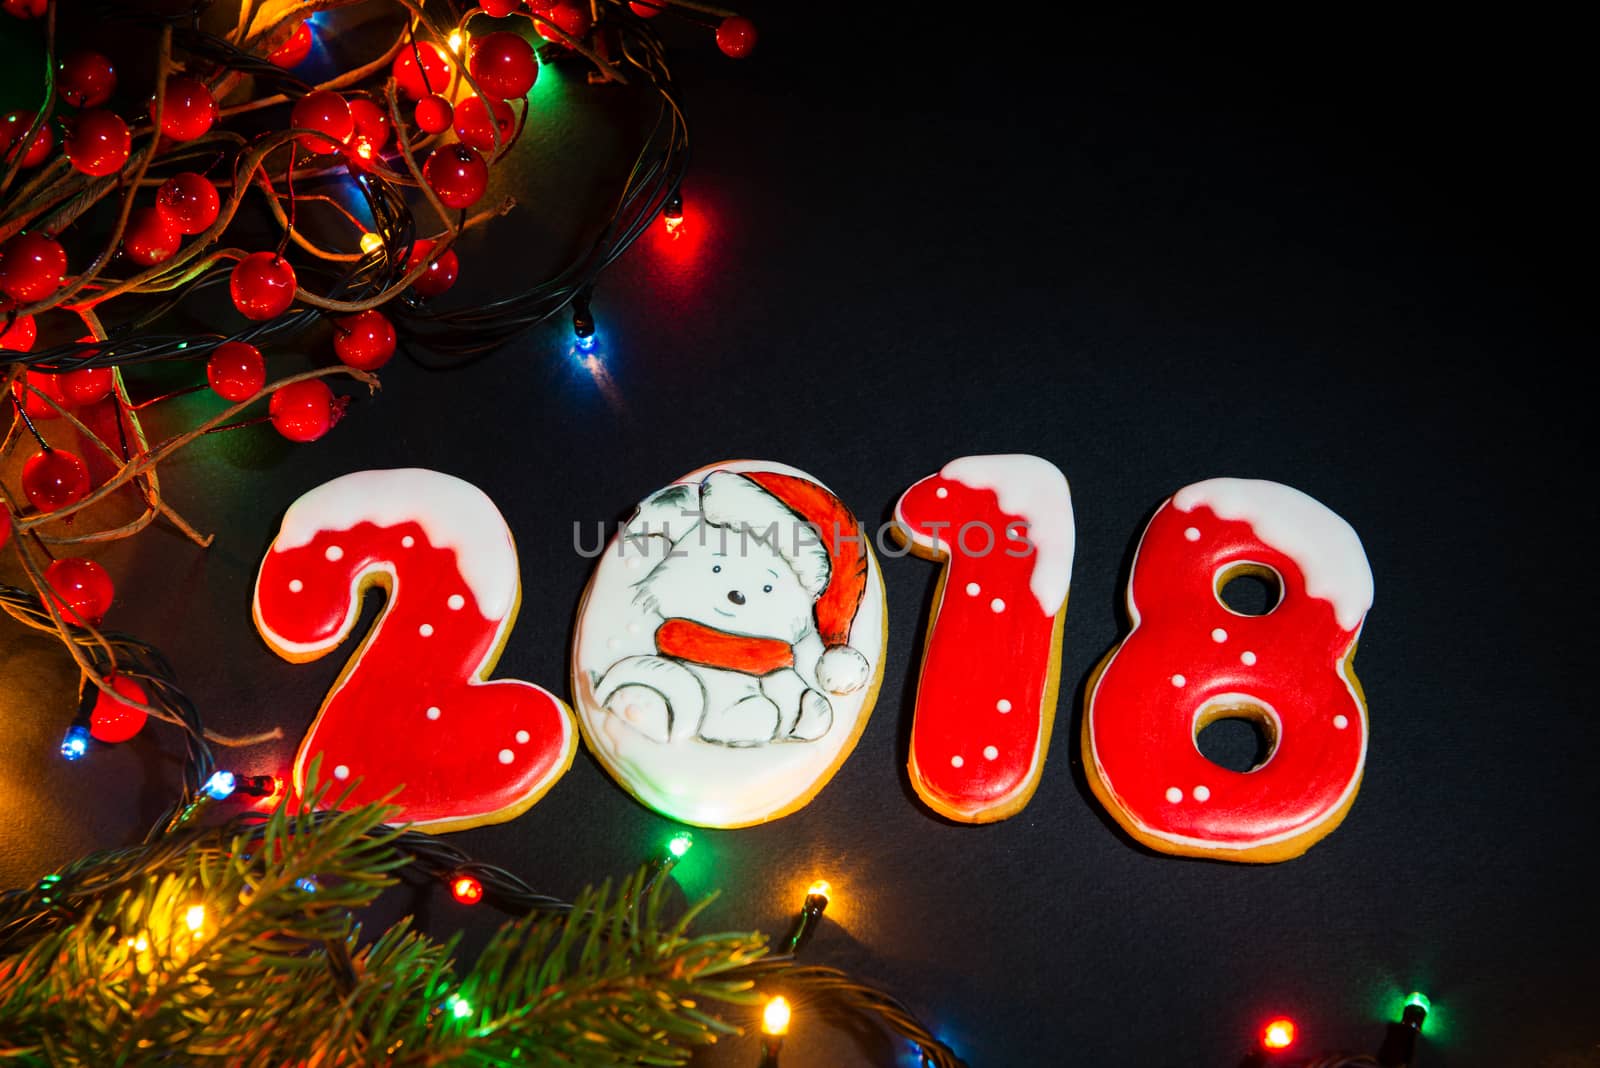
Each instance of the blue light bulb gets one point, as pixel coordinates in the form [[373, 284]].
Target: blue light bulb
[[219, 786], [76, 742]]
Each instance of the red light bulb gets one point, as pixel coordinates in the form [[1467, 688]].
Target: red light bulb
[[187, 109], [303, 411], [503, 65], [82, 588], [466, 889], [1279, 1034], [115, 721], [189, 202], [53, 479], [262, 285], [236, 371], [98, 143]]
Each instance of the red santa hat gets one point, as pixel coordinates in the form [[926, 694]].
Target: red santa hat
[[829, 558]]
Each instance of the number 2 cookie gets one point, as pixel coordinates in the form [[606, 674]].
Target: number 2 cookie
[[1190, 660], [730, 644], [414, 706], [991, 662]]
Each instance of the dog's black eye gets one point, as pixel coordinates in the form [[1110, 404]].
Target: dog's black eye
[[715, 568], [766, 589]]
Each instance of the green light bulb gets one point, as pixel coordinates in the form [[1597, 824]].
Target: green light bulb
[[459, 1006], [1421, 1001], [680, 844]]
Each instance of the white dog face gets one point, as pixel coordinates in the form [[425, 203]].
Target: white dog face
[[739, 584]]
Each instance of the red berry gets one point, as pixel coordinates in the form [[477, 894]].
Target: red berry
[[114, 721], [189, 202], [262, 285], [327, 113], [236, 371], [474, 127], [457, 174], [541, 6], [25, 9], [503, 64], [433, 114], [150, 237], [83, 589], [499, 9], [436, 67], [87, 385], [188, 108], [645, 11], [16, 124], [25, 391], [5, 528], [570, 16], [364, 341], [736, 36], [303, 411], [17, 332], [54, 478], [441, 273], [86, 79], [98, 142], [31, 267], [294, 50], [372, 122]]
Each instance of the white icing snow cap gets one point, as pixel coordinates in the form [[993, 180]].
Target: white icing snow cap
[[452, 513], [1304, 529], [1034, 489]]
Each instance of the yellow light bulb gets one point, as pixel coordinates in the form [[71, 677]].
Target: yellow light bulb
[[775, 1020], [141, 943], [371, 242], [455, 40], [821, 888], [195, 917]]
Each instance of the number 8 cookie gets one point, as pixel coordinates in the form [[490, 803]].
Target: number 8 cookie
[[1190, 660]]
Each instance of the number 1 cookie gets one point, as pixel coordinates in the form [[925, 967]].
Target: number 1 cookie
[[1190, 660], [414, 706], [991, 662]]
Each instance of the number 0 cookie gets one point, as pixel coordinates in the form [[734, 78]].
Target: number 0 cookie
[[730, 644], [1190, 660]]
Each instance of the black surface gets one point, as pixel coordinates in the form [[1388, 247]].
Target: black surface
[[1343, 257]]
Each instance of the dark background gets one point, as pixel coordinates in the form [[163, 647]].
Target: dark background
[[1347, 257]]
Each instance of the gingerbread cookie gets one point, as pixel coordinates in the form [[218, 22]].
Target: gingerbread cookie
[[414, 706], [991, 662], [1190, 659], [730, 644]]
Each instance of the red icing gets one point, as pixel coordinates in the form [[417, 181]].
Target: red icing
[[375, 722], [685, 639], [976, 657], [1141, 725]]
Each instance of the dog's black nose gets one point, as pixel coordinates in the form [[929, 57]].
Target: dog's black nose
[[736, 597]]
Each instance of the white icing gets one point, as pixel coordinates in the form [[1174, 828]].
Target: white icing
[[1247, 658], [1174, 794], [295, 585], [334, 553], [1192, 533], [1003, 705], [685, 777], [1179, 680], [973, 589], [507, 756], [426, 630], [341, 772], [434, 712], [455, 515], [1325, 547], [990, 752], [956, 762], [1341, 722], [1219, 635], [1034, 489], [1202, 793], [456, 602], [997, 605], [522, 737]]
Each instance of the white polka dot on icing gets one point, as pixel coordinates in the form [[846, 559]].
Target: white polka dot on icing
[[334, 553], [998, 605], [507, 756], [1003, 705], [1202, 793], [1219, 635], [973, 589], [990, 752], [1247, 658], [295, 585], [1340, 722], [1179, 680], [456, 602], [408, 541], [426, 630], [433, 712], [341, 772], [1193, 533], [942, 493], [523, 736], [956, 762], [1174, 794]]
